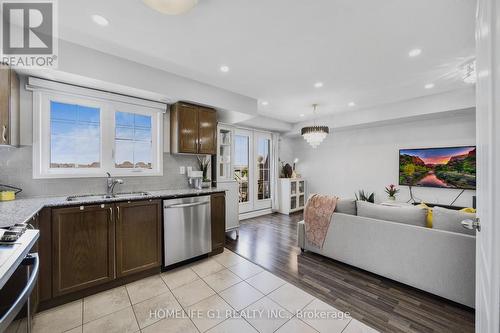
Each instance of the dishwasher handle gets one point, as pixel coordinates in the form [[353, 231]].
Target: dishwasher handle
[[184, 205]]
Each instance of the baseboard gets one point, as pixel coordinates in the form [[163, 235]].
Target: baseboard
[[255, 213]]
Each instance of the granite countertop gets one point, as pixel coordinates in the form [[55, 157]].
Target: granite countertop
[[22, 210], [12, 255]]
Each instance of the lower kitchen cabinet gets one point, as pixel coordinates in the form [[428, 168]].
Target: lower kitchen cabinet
[[218, 211], [83, 248], [138, 236]]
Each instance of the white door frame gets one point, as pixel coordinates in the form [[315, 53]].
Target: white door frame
[[488, 166]]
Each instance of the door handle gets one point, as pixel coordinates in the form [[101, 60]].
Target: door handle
[[187, 204], [4, 133], [472, 224]]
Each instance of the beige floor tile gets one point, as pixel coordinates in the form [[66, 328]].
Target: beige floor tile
[[245, 270], [157, 308], [178, 325], [59, 319], [295, 325], [122, 321], [241, 295], [265, 282], [327, 320], [356, 326], [146, 288], [291, 298], [209, 312], [233, 325], [178, 277], [222, 280], [193, 292], [266, 316], [104, 303], [78, 329], [228, 258], [207, 267]]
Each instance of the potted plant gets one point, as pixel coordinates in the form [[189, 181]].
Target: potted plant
[[365, 196], [391, 190], [204, 163]]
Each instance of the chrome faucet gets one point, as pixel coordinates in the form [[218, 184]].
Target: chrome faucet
[[111, 182]]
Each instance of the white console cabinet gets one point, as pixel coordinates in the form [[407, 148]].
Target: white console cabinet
[[292, 194]]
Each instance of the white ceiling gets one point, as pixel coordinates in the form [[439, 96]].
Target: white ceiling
[[278, 49]]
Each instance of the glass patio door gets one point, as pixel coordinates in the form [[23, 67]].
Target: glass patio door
[[243, 169], [262, 161]]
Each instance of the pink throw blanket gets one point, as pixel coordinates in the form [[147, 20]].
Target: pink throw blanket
[[317, 215]]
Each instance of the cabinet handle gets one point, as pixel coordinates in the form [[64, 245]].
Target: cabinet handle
[[111, 213], [118, 213], [4, 133]]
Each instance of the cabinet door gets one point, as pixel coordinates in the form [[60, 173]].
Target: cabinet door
[[218, 212], [4, 103], [45, 255], [187, 128], [207, 140], [83, 247], [138, 236]]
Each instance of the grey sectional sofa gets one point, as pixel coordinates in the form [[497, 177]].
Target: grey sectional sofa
[[437, 261]]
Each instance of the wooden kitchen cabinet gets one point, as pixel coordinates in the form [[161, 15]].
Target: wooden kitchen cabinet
[[193, 129], [218, 211], [83, 247], [9, 106], [138, 236]]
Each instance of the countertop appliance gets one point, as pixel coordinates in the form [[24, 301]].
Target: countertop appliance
[[186, 229]]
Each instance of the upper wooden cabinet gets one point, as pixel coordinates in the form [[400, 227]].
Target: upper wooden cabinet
[[193, 129], [9, 106], [138, 236]]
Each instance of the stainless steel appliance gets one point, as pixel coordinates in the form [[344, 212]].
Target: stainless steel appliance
[[187, 229]]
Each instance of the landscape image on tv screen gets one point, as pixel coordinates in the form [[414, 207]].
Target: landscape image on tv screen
[[453, 167]]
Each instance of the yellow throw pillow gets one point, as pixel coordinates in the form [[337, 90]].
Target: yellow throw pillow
[[468, 210], [429, 214]]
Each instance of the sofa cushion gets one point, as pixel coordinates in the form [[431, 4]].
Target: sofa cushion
[[449, 220], [346, 206], [408, 215]]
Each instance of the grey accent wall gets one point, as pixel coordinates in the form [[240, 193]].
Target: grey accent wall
[[16, 168]]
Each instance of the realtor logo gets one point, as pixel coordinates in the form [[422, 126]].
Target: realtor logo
[[29, 33]]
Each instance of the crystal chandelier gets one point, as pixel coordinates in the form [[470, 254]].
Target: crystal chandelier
[[314, 135]]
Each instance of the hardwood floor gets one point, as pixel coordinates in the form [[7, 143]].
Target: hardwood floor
[[388, 306]]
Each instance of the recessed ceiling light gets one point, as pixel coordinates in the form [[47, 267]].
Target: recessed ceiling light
[[224, 69], [264, 103], [351, 104], [100, 20], [429, 86], [301, 115], [318, 85], [415, 52]]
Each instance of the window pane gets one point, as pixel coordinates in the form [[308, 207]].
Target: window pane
[[263, 169], [241, 165], [133, 141], [75, 136]]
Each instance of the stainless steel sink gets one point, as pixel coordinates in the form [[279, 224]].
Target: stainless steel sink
[[96, 197]]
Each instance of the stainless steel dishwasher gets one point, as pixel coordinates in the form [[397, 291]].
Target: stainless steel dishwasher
[[186, 229]]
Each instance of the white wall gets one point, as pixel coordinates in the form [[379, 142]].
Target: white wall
[[367, 158]]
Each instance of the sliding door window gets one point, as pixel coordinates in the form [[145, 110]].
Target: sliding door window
[[241, 166], [263, 168]]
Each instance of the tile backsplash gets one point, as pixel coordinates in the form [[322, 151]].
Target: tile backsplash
[[16, 169]]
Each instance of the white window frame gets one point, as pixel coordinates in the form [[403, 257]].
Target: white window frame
[[46, 91]]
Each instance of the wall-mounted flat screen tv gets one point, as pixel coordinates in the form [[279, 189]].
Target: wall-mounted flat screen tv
[[450, 167]]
